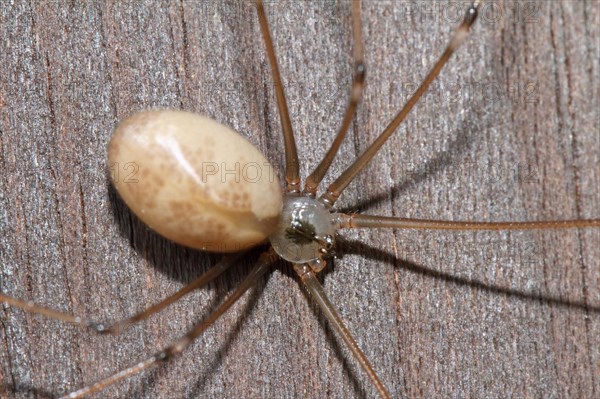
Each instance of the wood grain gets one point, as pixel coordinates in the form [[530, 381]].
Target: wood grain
[[509, 132]]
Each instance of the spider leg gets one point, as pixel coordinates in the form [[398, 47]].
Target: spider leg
[[122, 325], [356, 92], [310, 281], [356, 220], [335, 189], [263, 264], [292, 166]]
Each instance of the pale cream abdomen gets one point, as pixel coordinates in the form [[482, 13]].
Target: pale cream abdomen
[[195, 181]]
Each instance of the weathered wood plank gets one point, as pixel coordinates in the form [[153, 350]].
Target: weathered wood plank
[[510, 132]]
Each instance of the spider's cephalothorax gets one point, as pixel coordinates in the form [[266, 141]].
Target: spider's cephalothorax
[[305, 233]]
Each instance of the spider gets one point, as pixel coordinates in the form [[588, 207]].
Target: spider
[[431, 329]]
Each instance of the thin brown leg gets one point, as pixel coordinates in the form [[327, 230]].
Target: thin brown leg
[[29, 306], [292, 167], [336, 188], [122, 325], [358, 84], [199, 282], [317, 293], [357, 221], [179, 345]]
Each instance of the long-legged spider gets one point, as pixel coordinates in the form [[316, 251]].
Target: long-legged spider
[[487, 313]]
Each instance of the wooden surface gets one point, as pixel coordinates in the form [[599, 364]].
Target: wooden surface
[[510, 132]]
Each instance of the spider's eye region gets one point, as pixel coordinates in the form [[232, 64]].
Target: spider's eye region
[[305, 228]]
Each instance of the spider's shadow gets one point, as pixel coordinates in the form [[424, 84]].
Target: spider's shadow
[[219, 354], [175, 261], [436, 165], [359, 248], [27, 389]]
